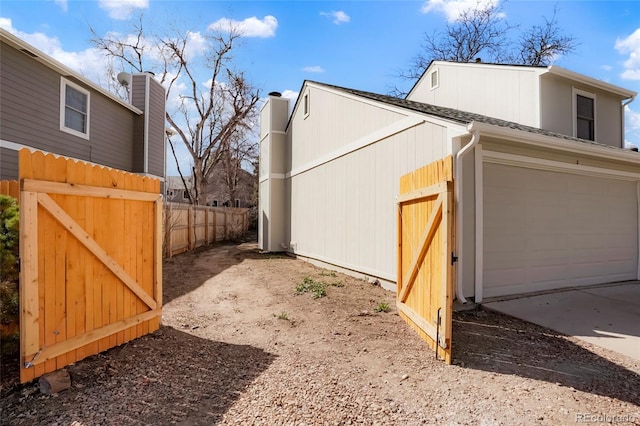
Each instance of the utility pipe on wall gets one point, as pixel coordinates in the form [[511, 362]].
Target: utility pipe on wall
[[459, 210]]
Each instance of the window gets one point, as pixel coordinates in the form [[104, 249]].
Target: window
[[237, 203], [434, 79], [169, 192], [214, 203], [585, 115], [185, 195], [305, 104], [74, 109]]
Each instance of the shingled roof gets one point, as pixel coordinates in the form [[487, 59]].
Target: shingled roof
[[457, 116]]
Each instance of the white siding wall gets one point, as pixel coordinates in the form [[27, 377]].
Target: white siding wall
[[508, 93], [333, 121], [558, 113], [344, 211], [557, 105]]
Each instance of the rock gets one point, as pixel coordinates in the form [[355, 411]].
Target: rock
[[55, 382]]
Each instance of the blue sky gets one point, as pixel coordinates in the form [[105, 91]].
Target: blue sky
[[357, 44]]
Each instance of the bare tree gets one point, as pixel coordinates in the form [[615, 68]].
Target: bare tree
[[482, 33], [241, 152], [477, 31], [540, 45], [124, 53], [215, 101]]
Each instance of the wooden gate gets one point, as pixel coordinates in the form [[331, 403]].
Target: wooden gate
[[425, 241], [90, 257]]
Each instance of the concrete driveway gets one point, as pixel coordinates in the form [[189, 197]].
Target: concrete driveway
[[606, 315]]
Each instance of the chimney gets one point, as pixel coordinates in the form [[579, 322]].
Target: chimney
[[273, 234], [149, 149]]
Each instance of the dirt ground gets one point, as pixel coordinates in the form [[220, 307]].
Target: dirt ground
[[239, 345]]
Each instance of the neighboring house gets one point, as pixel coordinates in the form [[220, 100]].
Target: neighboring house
[[217, 192], [45, 105], [546, 196]]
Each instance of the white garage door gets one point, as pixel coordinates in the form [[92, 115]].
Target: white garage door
[[546, 230]]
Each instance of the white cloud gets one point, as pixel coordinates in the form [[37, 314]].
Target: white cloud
[[63, 4], [339, 17], [630, 46], [632, 127], [250, 27], [631, 118], [196, 45], [315, 68], [122, 9], [606, 67], [452, 9], [290, 94]]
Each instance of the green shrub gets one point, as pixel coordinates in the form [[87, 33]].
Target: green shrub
[[316, 288], [382, 307], [9, 238], [283, 316], [9, 274]]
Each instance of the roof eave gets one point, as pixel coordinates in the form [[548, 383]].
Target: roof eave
[[58, 67], [590, 81], [552, 142]]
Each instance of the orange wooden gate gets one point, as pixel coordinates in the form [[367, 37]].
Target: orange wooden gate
[[91, 260], [425, 241]]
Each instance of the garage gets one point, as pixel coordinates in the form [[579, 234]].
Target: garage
[[549, 225]]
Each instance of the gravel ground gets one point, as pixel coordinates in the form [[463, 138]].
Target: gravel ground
[[240, 346]]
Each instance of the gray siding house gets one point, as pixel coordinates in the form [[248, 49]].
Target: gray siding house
[[546, 196], [46, 106]]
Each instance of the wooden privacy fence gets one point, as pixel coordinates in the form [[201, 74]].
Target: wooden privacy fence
[[10, 187], [90, 257], [188, 227], [425, 242]]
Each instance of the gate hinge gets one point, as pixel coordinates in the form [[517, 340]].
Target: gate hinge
[[454, 258]]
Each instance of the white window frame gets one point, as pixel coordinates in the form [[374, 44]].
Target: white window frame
[[64, 83], [437, 74], [575, 93], [306, 104]]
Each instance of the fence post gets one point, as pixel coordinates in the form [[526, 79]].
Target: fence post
[[215, 226], [206, 227], [167, 230], [226, 225], [189, 224]]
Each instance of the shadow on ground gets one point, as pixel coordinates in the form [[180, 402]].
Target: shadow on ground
[[162, 378], [186, 272], [502, 344]]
